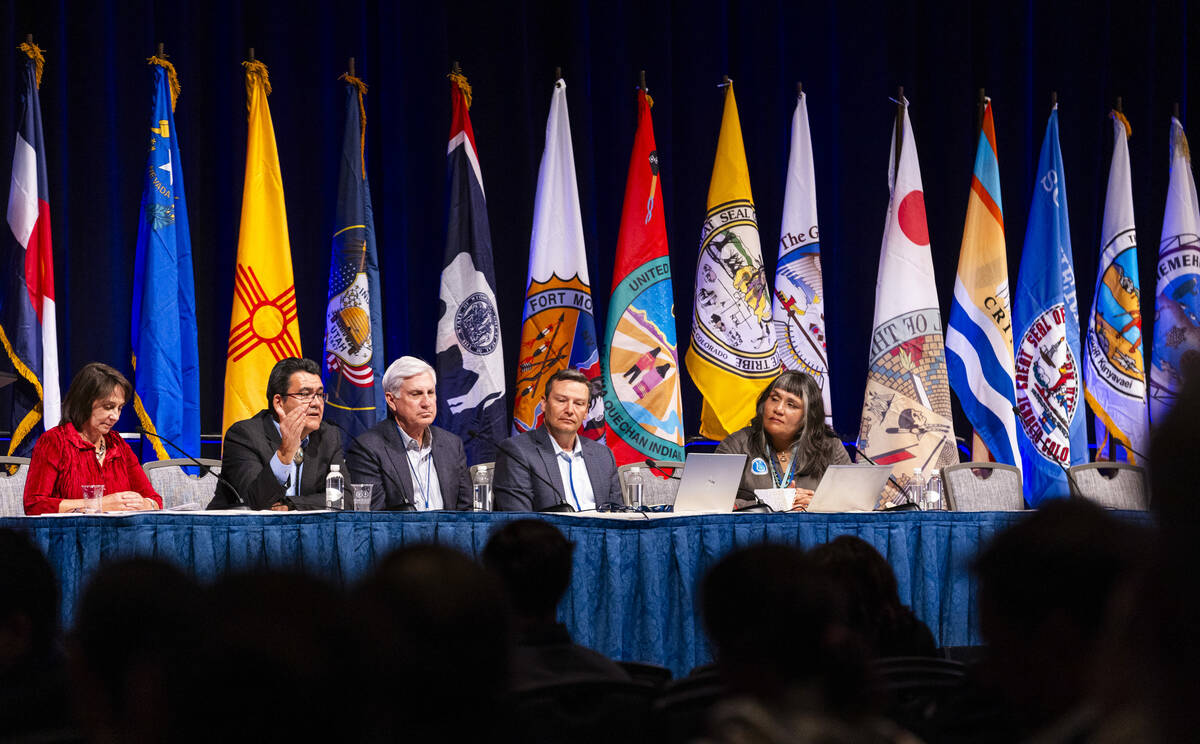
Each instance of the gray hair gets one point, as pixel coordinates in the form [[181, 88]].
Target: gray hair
[[404, 368]]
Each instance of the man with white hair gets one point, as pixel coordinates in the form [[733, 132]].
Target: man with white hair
[[413, 464]]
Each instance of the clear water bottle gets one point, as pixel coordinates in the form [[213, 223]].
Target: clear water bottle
[[481, 486], [933, 491], [914, 491], [335, 488], [635, 483]]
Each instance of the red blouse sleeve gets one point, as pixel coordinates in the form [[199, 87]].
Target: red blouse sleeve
[[44, 470]]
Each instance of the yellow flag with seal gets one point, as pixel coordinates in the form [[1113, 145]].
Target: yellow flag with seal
[[732, 354], [263, 328]]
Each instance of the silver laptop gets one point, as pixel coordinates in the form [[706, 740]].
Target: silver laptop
[[709, 484], [847, 488]]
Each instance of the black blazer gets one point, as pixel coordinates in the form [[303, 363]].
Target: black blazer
[[246, 463], [377, 456], [528, 479]]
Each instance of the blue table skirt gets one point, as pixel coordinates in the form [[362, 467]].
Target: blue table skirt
[[633, 592]]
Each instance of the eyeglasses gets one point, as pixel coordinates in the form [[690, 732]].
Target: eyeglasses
[[307, 396]]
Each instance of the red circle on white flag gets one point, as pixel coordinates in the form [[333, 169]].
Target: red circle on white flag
[[911, 217]]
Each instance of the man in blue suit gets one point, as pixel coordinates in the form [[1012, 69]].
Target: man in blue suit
[[552, 465], [413, 464]]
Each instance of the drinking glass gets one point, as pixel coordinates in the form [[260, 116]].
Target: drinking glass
[[362, 496], [92, 499]]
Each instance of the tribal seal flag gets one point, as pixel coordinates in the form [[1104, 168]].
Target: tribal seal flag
[[1114, 375], [1051, 435], [906, 410], [353, 369], [732, 354], [1177, 306], [470, 357], [641, 361], [799, 306], [557, 328], [263, 328]]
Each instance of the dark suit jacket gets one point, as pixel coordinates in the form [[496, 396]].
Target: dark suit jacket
[[377, 456], [246, 463], [528, 479]]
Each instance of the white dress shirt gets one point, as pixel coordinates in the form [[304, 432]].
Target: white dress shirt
[[576, 483], [427, 491]]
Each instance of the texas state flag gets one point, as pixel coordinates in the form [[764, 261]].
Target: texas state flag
[[27, 321]]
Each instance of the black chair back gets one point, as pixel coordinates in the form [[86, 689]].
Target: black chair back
[[584, 711]]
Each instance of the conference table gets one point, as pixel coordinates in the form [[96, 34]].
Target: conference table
[[633, 592]]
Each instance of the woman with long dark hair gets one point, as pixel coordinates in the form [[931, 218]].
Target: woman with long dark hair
[[787, 444]]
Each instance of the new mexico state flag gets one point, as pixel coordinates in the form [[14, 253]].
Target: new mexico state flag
[[732, 354], [263, 328]]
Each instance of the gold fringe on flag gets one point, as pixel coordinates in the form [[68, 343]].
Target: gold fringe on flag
[[362, 115], [461, 80], [256, 70], [172, 78], [34, 52], [1121, 118]]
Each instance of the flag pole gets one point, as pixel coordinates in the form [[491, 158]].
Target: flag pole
[[1175, 109], [557, 74], [899, 125], [980, 106], [1120, 108], [799, 89], [251, 55], [642, 83], [1053, 99]]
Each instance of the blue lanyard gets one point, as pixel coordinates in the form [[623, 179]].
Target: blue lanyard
[[424, 492], [570, 460], [788, 476]]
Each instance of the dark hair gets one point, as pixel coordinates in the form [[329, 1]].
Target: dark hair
[[281, 376], [872, 597], [94, 382], [569, 374], [811, 455], [1069, 557], [753, 594], [439, 621], [28, 587], [532, 558]]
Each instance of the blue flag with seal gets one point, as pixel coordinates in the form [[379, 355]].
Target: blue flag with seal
[[166, 360], [353, 364], [1052, 435]]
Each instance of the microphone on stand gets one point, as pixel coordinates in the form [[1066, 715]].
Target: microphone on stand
[[854, 446], [653, 465], [204, 469]]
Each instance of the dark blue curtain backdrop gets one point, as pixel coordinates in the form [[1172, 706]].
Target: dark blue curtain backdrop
[[850, 57]]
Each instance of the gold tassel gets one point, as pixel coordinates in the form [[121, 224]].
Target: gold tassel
[[34, 52], [172, 78], [649, 101], [461, 80], [362, 115], [1121, 118], [256, 70]]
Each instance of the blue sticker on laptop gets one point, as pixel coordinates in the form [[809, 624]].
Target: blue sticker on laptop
[[758, 466]]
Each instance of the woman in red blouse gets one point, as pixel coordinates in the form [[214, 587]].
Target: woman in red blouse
[[84, 450]]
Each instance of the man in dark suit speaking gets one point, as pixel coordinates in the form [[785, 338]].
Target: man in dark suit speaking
[[278, 459], [552, 464], [413, 464]]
